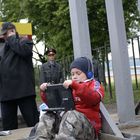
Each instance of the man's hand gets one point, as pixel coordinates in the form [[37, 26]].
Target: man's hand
[[11, 32]]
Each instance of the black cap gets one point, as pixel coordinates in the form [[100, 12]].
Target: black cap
[[50, 50], [83, 64], [6, 26]]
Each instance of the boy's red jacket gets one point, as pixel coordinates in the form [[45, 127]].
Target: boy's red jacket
[[87, 97]]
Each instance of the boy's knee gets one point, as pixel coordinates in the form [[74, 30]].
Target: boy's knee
[[75, 124], [74, 117]]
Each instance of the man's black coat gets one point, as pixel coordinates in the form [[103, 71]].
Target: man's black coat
[[16, 69]]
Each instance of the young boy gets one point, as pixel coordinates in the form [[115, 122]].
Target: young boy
[[84, 122]]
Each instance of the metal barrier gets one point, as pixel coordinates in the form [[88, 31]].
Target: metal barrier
[[100, 55]]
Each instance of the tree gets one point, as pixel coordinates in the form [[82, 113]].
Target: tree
[[51, 22]]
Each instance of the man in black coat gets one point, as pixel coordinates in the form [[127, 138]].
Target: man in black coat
[[17, 85]]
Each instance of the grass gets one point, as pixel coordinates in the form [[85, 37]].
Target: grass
[[136, 93], [38, 99], [107, 98]]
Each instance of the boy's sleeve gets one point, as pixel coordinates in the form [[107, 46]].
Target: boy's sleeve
[[90, 95], [43, 96], [99, 89]]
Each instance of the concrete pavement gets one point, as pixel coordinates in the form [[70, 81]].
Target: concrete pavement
[[22, 133], [17, 134]]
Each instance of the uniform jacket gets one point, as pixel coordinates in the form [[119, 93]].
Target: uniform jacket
[[87, 96], [51, 73], [16, 69]]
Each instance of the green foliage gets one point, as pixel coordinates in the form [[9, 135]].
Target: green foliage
[[37, 74], [11, 10], [132, 17], [51, 22], [108, 100], [97, 23], [136, 93]]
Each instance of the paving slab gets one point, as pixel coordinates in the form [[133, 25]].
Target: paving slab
[[132, 130], [22, 133], [17, 134]]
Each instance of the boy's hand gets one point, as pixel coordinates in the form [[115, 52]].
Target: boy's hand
[[67, 83], [43, 86]]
